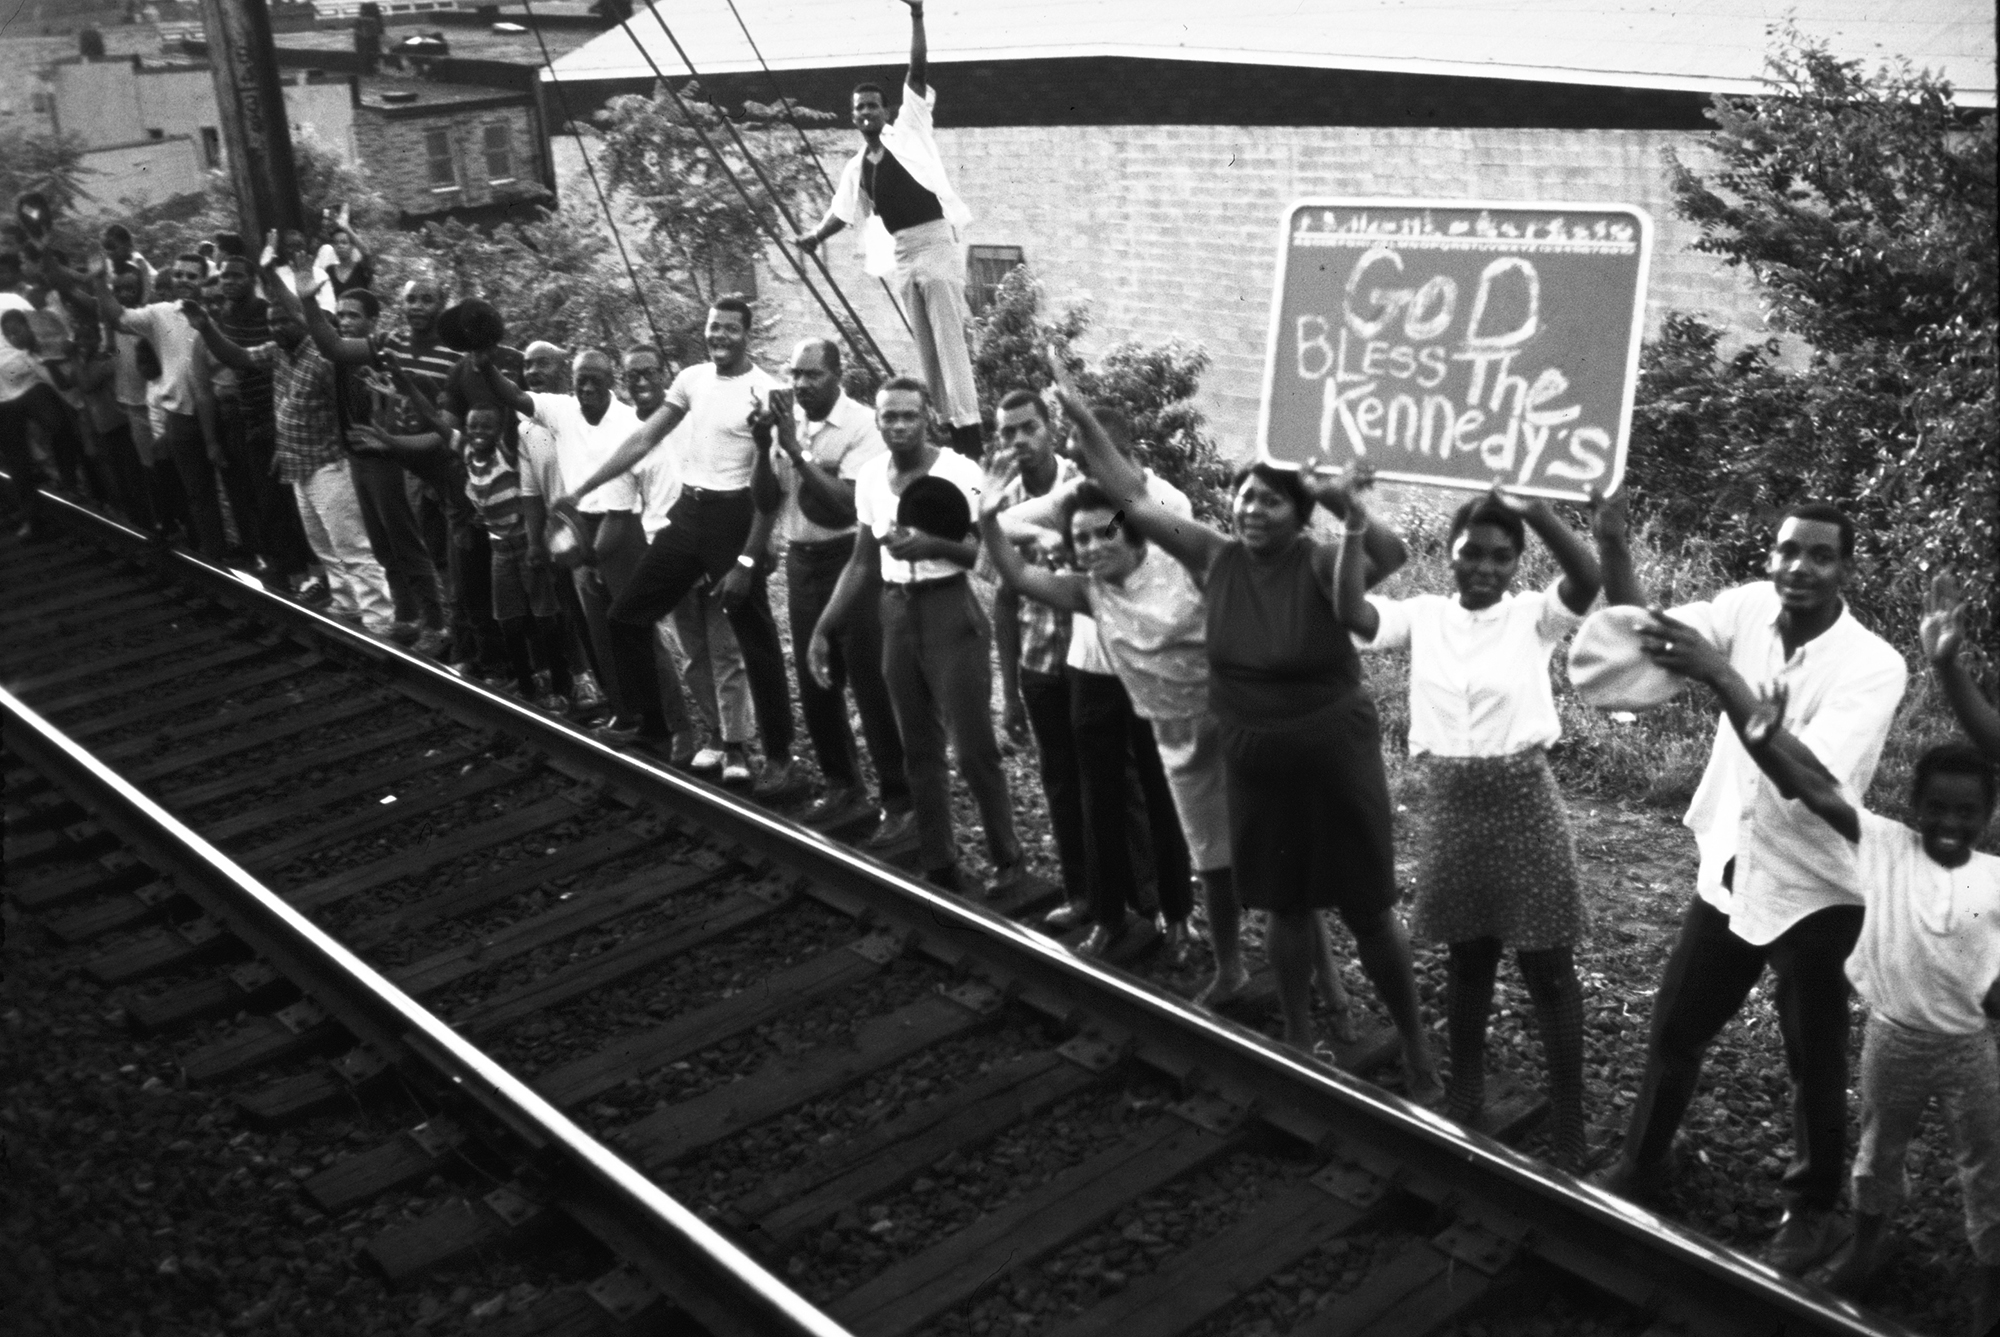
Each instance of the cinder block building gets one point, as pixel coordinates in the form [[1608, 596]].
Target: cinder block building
[[1138, 153], [436, 148]]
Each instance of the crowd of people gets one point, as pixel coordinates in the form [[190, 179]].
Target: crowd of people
[[1195, 695]]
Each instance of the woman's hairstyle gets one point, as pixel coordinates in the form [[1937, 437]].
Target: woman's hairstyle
[[1956, 757], [1088, 495], [1486, 511], [1285, 478]]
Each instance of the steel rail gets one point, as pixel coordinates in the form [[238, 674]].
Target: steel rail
[[1654, 1264], [687, 1259]]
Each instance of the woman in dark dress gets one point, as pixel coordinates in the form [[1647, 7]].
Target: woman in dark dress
[[1308, 795]]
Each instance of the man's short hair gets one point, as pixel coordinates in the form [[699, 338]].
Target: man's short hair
[[1826, 513], [118, 233], [590, 357], [909, 383], [236, 259], [424, 281], [370, 304], [734, 302], [861, 88], [829, 351], [195, 258], [637, 349], [1024, 399], [1957, 757]]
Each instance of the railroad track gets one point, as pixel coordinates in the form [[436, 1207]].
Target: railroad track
[[791, 1089]]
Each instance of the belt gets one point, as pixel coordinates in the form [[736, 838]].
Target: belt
[[690, 490], [813, 546], [906, 588]]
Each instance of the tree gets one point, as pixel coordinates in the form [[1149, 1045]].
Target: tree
[[1153, 385], [1864, 205]]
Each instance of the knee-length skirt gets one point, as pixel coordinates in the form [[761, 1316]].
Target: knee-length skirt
[[1497, 859]]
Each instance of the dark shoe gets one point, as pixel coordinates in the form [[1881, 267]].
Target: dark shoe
[[617, 733], [773, 780], [897, 828], [945, 878], [1176, 941], [1068, 915], [1009, 880], [405, 633], [1804, 1237], [1095, 943], [1131, 939], [837, 808], [1633, 1182], [431, 643]]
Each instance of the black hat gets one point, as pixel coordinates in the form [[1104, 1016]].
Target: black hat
[[936, 506], [471, 326]]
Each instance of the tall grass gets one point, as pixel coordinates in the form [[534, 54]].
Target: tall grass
[[1655, 757]]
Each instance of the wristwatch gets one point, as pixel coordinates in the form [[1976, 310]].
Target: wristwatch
[[746, 561]]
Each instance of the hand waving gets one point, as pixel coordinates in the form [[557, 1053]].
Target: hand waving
[[1943, 628]]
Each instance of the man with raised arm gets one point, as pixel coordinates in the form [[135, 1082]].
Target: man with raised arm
[[710, 530], [895, 190], [309, 452], [1776, 887]]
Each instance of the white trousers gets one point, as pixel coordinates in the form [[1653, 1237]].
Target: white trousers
[[930, 285], [331, 514], [703, 649]]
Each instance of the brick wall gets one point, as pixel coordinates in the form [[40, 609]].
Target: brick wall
[[1172, 230], [393, 149]]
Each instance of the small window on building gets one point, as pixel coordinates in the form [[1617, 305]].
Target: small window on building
[[985, 267], [211, 148], [499, 154], [154, 132], [437, 150]]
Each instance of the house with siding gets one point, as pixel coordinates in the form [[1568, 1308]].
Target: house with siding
[[1139, 153]]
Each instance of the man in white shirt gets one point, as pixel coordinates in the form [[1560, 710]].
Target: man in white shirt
[[823, 440], [895, 190], [190, 440], [709, 531], [936, 653], [1776, 886]]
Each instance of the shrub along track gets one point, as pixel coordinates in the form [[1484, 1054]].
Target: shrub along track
[[922, 1116]]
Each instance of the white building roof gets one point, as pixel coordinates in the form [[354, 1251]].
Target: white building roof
[[1707, 46]]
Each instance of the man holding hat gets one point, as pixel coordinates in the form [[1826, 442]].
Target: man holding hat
[[914, 507]]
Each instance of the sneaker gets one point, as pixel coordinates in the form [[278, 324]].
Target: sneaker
[[431, 643], [312, 592], [897, 828], [1804, 1237], [555, 703], [586, 693], [405, 633], [838, 807], [735, 766], [708, 761]]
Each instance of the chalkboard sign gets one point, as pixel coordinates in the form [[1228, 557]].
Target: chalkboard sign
[[1458, 342]]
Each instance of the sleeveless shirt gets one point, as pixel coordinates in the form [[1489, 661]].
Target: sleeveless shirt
[[1276, 653]]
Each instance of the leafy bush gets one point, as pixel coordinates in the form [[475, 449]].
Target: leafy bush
[[1152, 384]]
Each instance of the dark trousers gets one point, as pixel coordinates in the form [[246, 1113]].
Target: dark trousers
[[456, 541], [129, 478], [201, 503], [617, 541], [267, 515], [1046, 698], [396, 539], [1709, 974], [811, 572], [704, 534], [1112, 743], [39, 405], [937, 660]]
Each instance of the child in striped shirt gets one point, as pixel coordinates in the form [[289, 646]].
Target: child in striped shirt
[[524, 595]]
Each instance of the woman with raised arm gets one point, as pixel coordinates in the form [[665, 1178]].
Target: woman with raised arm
[[1498, 864], [344, 262], [1308, 797]]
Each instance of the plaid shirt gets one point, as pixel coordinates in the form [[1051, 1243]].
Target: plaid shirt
[[308, 426], [1044, 630]]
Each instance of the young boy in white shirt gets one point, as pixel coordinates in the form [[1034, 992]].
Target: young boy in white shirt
[[1928, 965]]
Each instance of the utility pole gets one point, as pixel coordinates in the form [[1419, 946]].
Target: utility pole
[[251, 102]]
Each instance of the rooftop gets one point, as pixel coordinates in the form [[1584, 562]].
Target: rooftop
[[1697, 46], [388, 92]]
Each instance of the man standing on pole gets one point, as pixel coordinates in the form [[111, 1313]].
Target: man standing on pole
[[896, 192]]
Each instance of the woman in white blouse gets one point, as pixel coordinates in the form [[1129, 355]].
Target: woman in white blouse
[[1498, 863]]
